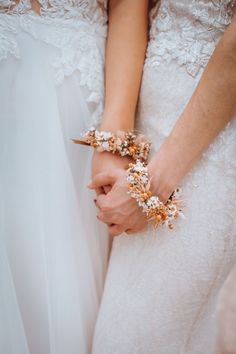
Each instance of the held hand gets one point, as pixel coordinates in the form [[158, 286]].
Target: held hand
[[103, 162], [117, 209]]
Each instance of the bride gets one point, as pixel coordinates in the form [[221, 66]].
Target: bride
[[53, 251], [162, 285], [52, 257]]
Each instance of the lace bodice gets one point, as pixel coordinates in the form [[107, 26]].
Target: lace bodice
[[183, 35], [75, 28], [66, 9], [187, 31]]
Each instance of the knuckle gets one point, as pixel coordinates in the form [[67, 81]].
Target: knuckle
[[100, 216], [98, 202], [105, 206]]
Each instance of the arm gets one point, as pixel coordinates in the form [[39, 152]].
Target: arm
[[126, 46], [125, 52], [208, 111], [211, 107]]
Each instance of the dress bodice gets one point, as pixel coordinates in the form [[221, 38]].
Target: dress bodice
[[76, 29], [66, 9], [187, 31]]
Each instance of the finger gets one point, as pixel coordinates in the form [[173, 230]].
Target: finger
[[132, 231], [104, 203], [135, 230], [106, 219], [99, 191], [107, 188], [102, 179], [103, 190], [115, 230], [107, 223], [101, 202]]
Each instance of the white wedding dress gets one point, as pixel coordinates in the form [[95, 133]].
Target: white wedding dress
[[162, 285], [53, 252]]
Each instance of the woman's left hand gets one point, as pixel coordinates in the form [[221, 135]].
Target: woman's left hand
[[117, 209], [104, 162]]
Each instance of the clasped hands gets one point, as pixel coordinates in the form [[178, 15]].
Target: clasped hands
[[116, 208]]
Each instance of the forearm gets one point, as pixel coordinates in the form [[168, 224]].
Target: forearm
[[125, 52], [211, 107]]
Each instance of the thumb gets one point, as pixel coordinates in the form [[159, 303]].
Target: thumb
[[102, 179]]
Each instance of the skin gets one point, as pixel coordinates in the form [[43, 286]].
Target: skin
[[35, 5], [128, 20], [210, 108]]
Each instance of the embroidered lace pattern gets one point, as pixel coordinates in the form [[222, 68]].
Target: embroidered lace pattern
[[77, 28], [184, 36], [187, 31], [160, 289], [66, 9]]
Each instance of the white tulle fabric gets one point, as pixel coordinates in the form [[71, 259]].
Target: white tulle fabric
[[162, 286], [53, 252], [76, 28]]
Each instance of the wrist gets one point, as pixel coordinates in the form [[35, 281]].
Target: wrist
[[105, 154], [163, 182], [114, 122], [159, 210], [121, 143]]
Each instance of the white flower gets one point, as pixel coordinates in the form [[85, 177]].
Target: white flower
[[130, 179], [144, 179], [139, 167], [105, 145], [106, 135]]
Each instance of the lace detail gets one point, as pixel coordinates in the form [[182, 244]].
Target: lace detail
[[157, 280], [222, 150], [8, 43], [76, 28], [189, 38], [66, 9], [183, 38]]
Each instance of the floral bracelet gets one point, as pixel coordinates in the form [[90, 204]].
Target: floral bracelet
[[157, 212], [122, 143]]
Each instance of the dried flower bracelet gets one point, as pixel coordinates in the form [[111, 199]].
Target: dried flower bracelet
[[122, 143], [156, 211]]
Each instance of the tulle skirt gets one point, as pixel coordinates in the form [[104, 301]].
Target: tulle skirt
[[53, 252]]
